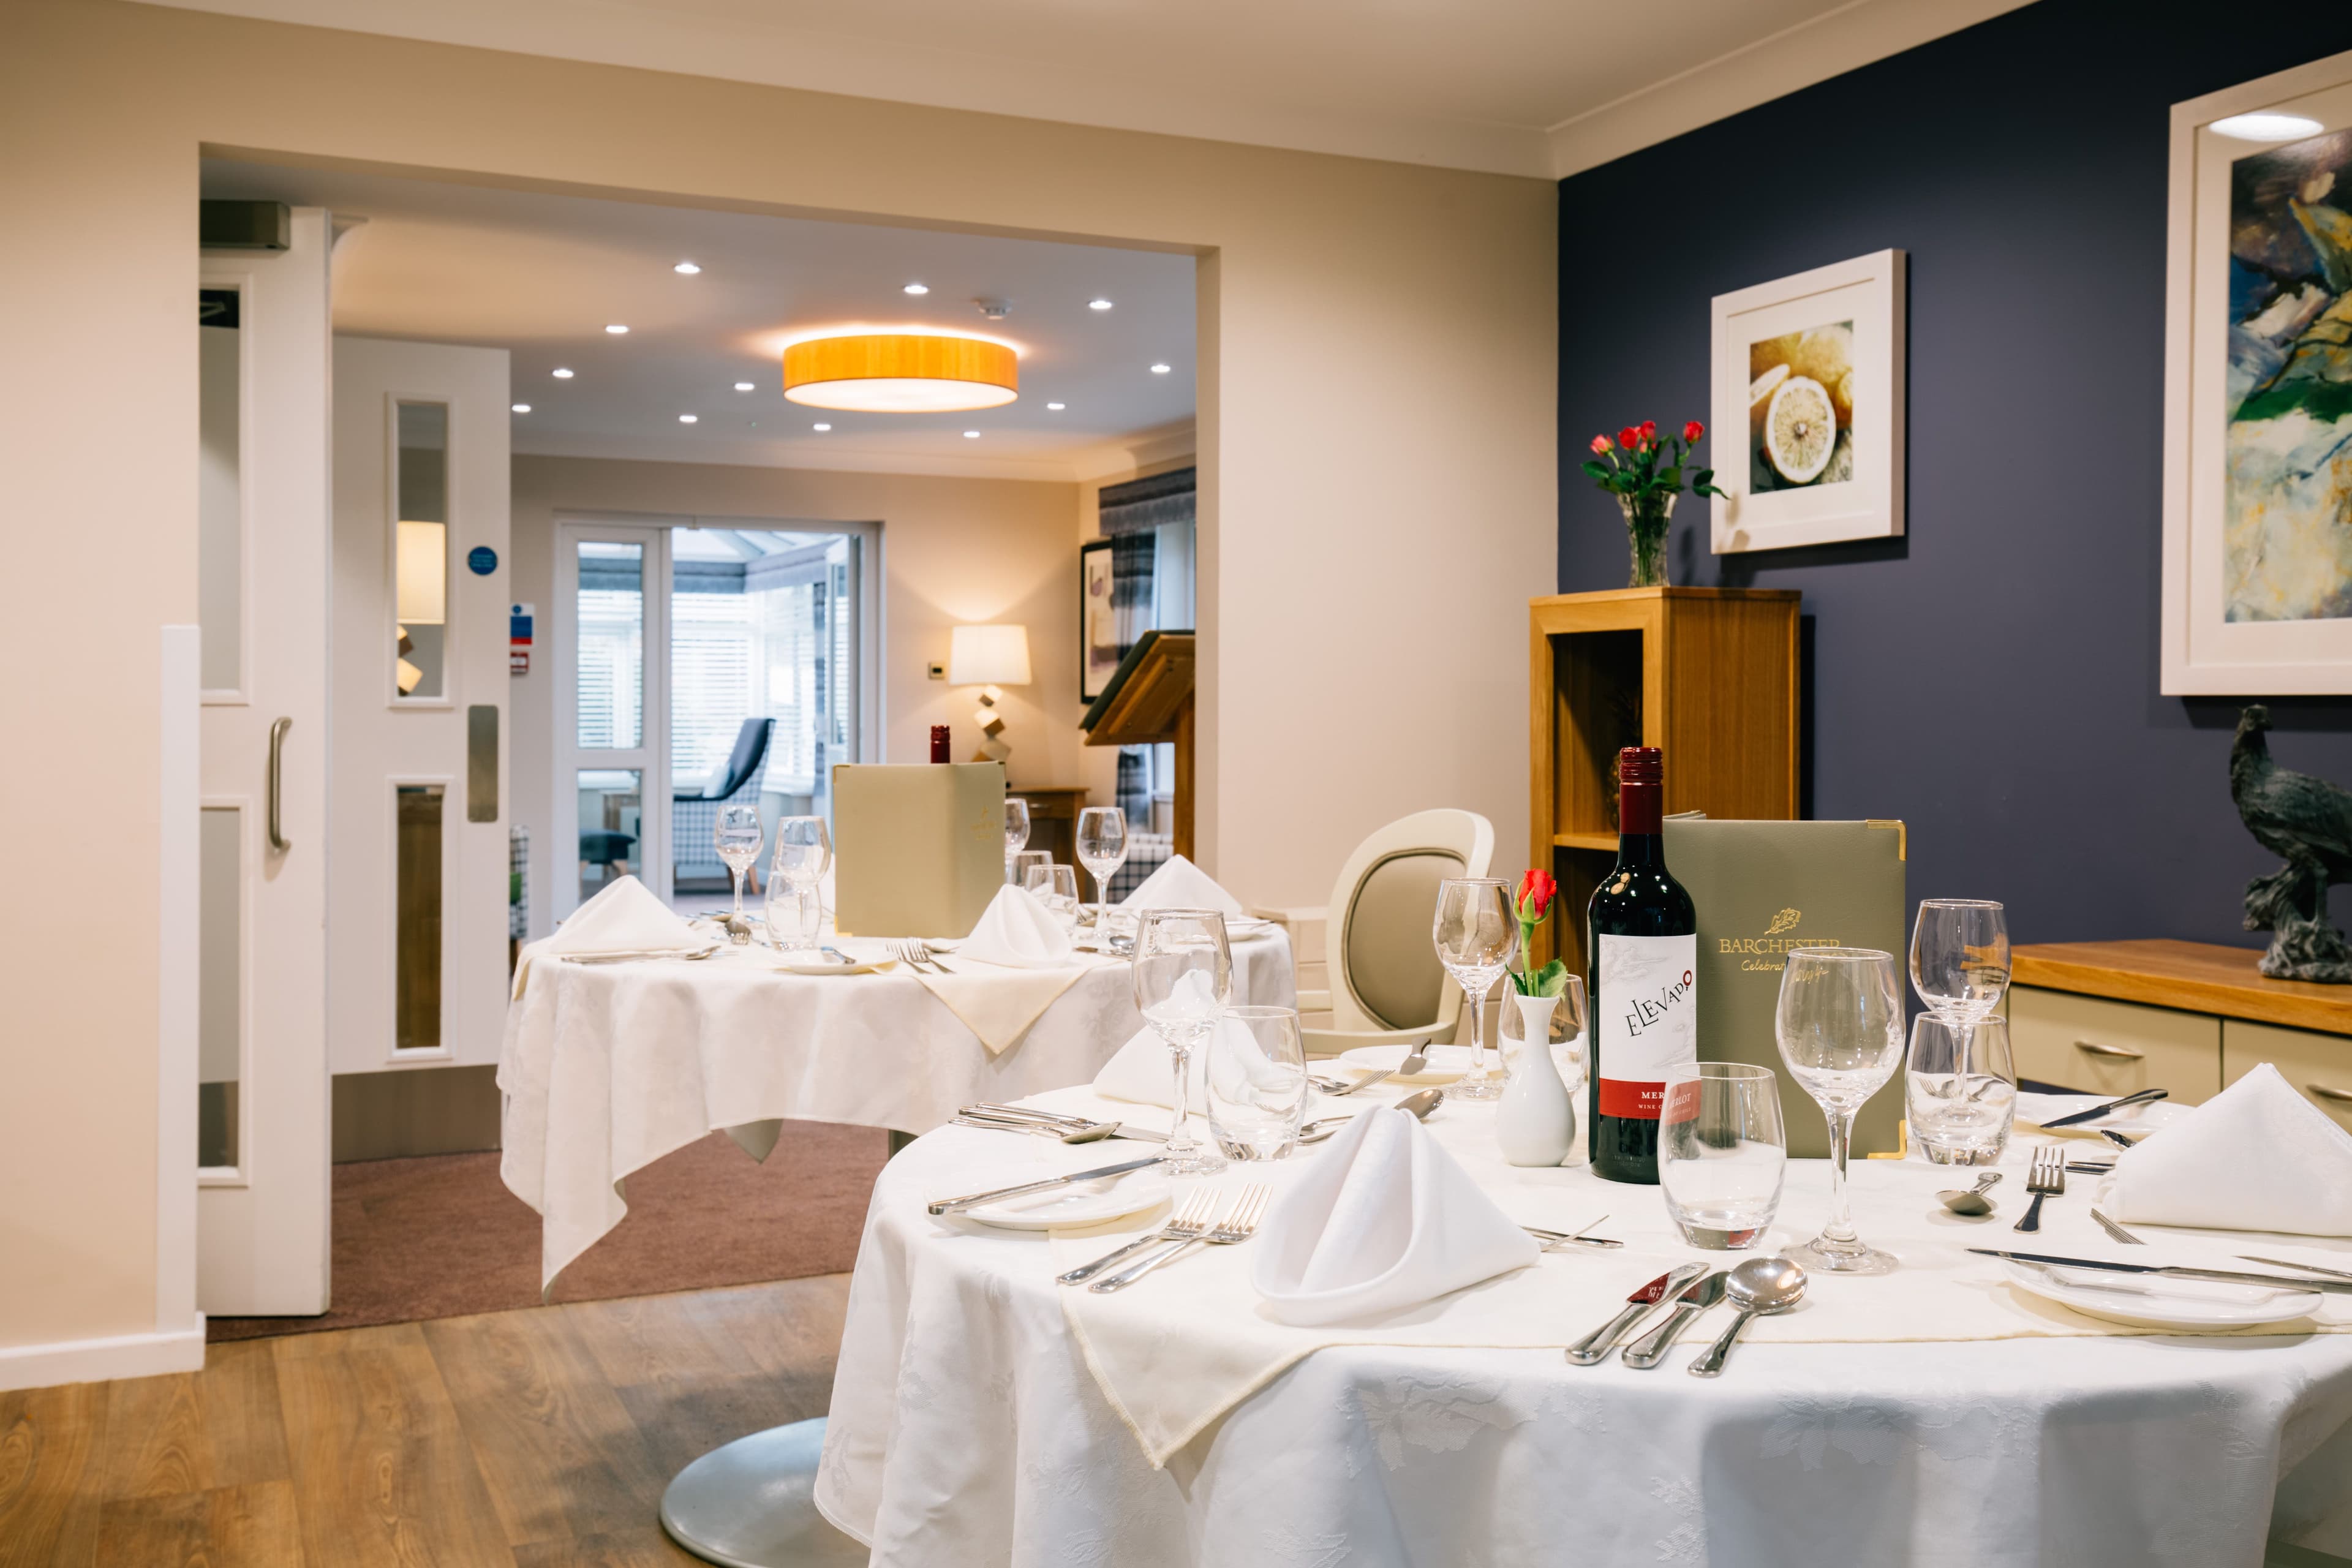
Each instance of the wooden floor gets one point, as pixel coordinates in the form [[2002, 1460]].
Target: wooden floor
[[524, 1439]]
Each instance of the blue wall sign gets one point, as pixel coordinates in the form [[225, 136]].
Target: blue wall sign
[[483, 560]]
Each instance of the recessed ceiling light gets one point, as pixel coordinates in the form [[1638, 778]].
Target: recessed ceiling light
[[972, 435], [522, 408], [918, 288], [1098, 304], [2268, 126], [689, 267], [616, 328], [742, 386], [561, 373], [1160, 370], [820, 427], [688, 418], [1056, 407]]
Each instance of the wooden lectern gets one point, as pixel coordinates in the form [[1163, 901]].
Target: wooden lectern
[[1148, 703]]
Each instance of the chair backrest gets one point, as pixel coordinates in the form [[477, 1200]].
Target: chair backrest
[[751, 751], [1384, 971]]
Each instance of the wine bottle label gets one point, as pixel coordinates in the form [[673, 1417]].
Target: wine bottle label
[[1648, 1018]]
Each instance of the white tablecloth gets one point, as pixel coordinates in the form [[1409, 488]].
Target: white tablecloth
[[967, 1427], [607, 1068]]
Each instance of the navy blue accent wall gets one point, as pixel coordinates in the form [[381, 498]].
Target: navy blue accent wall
[[1990, 679]]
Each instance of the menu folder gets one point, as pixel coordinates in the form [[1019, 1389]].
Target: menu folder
[[918, 848]]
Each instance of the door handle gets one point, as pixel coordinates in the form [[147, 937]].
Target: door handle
[[278, 839], [2097, 1049], [2321, 1089]]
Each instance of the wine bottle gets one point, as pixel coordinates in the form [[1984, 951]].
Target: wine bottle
[[1642, 973]]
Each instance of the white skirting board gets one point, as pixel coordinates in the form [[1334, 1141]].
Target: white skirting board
[[104, 1360]]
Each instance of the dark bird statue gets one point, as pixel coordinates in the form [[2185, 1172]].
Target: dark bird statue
[[2307, 823]]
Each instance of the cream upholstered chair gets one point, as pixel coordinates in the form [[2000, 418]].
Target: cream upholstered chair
[[1387, 985]]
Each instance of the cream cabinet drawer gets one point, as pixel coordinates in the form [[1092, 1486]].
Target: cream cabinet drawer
[[2319, 1066], [2099, 1047]]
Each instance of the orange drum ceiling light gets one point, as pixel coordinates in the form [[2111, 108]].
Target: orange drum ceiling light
[[901, 372]]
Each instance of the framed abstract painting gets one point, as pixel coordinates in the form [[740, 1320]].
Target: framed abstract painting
[[2258, 389], [1097, 622]]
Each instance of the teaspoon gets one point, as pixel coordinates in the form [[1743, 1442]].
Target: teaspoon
[[1971, 1200], [1759, 1287]]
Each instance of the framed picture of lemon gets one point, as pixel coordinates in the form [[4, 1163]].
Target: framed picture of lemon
[[1808, 372]]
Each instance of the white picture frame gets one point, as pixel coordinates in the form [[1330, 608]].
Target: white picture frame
[[1856, 308], [2209, 648]]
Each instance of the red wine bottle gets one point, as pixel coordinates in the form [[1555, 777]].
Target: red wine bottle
[[939, 743], [1642, 975]]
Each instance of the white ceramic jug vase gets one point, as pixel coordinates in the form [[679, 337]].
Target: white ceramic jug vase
[[1535, 1124]]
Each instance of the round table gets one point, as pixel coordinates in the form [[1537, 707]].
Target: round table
[[967, 1426]]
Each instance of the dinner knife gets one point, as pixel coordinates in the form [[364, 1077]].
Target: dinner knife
[[2173, 1271], [955, 1205], [1651, 1348], [1596, 1345], [2142, 1097]]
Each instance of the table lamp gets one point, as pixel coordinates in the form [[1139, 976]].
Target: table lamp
[[989, 657]]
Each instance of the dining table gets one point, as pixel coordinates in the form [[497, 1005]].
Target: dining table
[[1934, 1415]]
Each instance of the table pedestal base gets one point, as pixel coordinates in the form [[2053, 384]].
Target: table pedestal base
[[748, 1504]]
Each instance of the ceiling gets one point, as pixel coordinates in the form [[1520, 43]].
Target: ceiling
[[541, 276], [1522, 86]]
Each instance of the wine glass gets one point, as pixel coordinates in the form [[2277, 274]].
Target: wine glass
[[1959, 956], [1959, 1089], [1476, 932], [1056, 887], [1016, 830], [738, 835], [1839, 1024], [1183, 978], [1102, 849], [803, 852]]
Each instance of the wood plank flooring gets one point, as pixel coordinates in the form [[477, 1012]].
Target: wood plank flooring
[[540, 1439]]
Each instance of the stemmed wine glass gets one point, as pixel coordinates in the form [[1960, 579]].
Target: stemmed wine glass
[[803, 851], [738, 836], [1183, 978], [1102, 849], [1016, 830], [1476, 932], [1959, 966], [1839, 1024]]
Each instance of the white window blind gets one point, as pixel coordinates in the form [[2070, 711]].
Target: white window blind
[[710, 671], [610, 669]]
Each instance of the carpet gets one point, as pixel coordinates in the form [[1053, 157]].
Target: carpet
[[440, 1236]]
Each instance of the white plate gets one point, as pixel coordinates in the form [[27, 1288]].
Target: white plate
[[2158, 1303], [1445, 1064], [1071, 1208]]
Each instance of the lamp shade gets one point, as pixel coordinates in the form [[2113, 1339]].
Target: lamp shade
[[420, 557], [988, 656], [901, 372]]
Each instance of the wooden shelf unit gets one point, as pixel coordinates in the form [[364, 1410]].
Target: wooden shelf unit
[[1709, 675]]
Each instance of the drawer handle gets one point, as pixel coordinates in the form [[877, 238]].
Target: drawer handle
[[2127, 1054], [2325, 1092]]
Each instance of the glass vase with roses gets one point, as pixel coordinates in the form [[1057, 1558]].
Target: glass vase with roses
[[1644, 471]]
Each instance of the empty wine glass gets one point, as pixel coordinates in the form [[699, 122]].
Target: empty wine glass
[[1056, 887], [1027, 860], [1959, 956], [1102, 849], [1258, 1082], [1016, 831], [1721, 1151], [1840, 1026], [1476, 930], [738, 835], [803, 852], [1959, 1089], [1183, 978]]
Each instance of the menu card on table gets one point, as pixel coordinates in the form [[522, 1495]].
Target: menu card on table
[[918, 849]]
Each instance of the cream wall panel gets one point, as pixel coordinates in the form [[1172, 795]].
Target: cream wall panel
[[1377, 393]]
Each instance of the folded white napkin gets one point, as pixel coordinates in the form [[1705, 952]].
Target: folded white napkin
[[1142, 1071], [2257, 1156], [1018, 930], [624, 917], [1382, 1220], [1181, 884]]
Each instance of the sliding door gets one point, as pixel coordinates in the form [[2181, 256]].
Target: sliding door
[[612, 710]]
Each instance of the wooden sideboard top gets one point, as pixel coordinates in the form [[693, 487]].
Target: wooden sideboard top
[[2194, 976]]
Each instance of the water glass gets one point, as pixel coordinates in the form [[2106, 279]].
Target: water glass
[[1721, 1153], [803, 854], [1959, 955], [737, 836], [1960, 1089], [1476, 930], [1016, 833], [1840, 1027], [1183, 972], [1102, 849], [1056, 887], [1257, 1081], [1026, 861]]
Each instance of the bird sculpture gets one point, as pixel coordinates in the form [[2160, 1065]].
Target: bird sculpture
[[2306, 822]]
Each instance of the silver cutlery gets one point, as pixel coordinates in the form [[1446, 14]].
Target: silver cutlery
[[2175, 1271], [1758, 1287], [838, 957], [1651, 1348], [1551, 1238], [1970, 1200], [927, 955], [1093, 1132], [1071, 1124], [2283, 1263], [973, 1200], [2080, 1168], [1418, 1104], [2118, 1232], [689, 956], [2142, 1097], [1239, 1225], [914, 955], [1414, 1063], [2046, 1177], [1597, 1344], [2115, 1138], [1188, 1223]]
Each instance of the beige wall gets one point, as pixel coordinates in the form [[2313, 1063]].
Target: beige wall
[[953, 550], [1377, 387]]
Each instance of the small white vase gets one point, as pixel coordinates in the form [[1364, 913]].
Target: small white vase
[[1535, 1124]]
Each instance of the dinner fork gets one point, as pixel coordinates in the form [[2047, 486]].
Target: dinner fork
[[1189, 1221], [915, 955], [1239, 1225], [2044, 1178]]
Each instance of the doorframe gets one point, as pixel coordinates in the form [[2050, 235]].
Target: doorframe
[[571, 530]]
